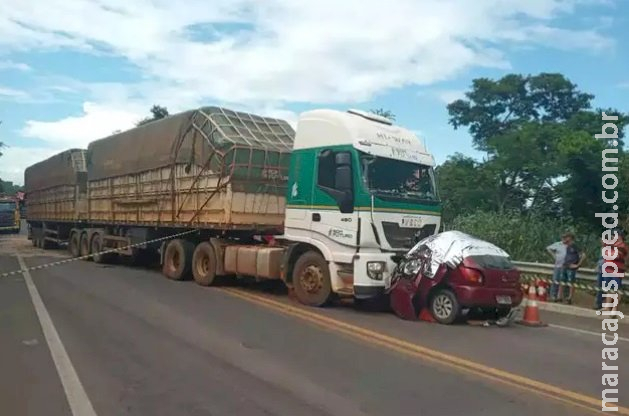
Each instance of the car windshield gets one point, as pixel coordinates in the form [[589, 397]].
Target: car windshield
[[493, 262], [7, 206], [396, 179]]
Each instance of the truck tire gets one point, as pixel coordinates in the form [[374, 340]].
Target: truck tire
[[84, 247], [311, 280], [35, 237], [74, 244], [45, 244], [178, 259], [204, 264], [97, 247]]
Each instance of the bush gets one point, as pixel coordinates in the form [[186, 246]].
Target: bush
[[525, 237]]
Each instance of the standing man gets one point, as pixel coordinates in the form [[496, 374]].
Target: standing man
[[559, 251], [572, 262]]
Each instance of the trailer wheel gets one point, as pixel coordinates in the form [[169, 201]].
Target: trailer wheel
[[178, 259], [311, 279], [45, 244], [84, 247], [35, 237], [74, 244], [97, 247], [204, 264]]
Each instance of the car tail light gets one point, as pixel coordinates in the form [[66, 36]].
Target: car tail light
[[472, 275]]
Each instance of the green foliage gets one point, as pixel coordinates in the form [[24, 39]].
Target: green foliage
[[384, 113], [464, 186], [157, 112], [525, 237], [493, 108], [542, 158], [9, 188]]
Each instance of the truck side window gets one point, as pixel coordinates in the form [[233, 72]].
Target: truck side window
[[325, 178]]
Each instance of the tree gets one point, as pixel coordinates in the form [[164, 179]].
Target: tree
[[464, 186], [157, 112], [383, 113], [493, 108], [538, 134]]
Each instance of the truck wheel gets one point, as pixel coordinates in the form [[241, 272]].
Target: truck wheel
[[74, 245], [45, 244], [311, 280], [445, 307], [35, 237], [178, 259], [84, 247], [97, 247], [204, 264]]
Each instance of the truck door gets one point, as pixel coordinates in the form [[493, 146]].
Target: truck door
[[334, 217]]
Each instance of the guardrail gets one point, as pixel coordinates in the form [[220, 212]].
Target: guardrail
[[546, 270]]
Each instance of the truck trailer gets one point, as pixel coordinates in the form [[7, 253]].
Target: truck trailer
[[328, 208]]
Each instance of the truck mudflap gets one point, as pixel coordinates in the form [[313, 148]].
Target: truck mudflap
[[285, 269]]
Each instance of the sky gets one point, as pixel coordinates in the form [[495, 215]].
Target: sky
[[73, 71]]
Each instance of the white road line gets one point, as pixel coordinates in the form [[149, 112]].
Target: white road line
[[583, 331], [80, 404]]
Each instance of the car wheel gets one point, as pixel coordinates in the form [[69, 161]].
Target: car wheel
[[445, 307]]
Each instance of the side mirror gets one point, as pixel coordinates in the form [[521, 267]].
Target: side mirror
[[346, 202], [343, 182], [343, 159]]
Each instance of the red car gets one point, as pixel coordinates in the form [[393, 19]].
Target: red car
[[454, 275]]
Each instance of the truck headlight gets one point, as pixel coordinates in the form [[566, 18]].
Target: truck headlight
[[375, 269]]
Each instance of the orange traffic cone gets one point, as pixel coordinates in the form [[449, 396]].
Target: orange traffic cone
[[426, 316], [531, 313]]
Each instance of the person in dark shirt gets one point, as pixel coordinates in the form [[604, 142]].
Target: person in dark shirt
[[572, 261]]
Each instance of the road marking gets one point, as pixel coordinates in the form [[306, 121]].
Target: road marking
[[427, 354], [583, 331], [78, 401]]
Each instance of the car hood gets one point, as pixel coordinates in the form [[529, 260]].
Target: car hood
[[449, 248]]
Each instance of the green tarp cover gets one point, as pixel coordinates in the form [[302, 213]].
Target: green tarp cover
[[246, 147]]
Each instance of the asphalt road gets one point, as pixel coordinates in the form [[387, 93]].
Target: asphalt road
[[142, 345]]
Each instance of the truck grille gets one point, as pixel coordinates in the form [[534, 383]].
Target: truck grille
[[405, 238]]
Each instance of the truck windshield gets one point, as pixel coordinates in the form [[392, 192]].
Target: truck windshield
[[7, 206], [398, 180]]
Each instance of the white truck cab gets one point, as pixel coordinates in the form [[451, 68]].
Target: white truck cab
[[361, 192]]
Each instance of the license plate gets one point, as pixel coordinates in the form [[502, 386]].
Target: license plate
[[411, 222], [503, 300]]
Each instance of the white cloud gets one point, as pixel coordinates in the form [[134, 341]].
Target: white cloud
[[18, 66], [12, 94], [304, 51], [15, 159], [78, 131], [448, 96], [259, 55]]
